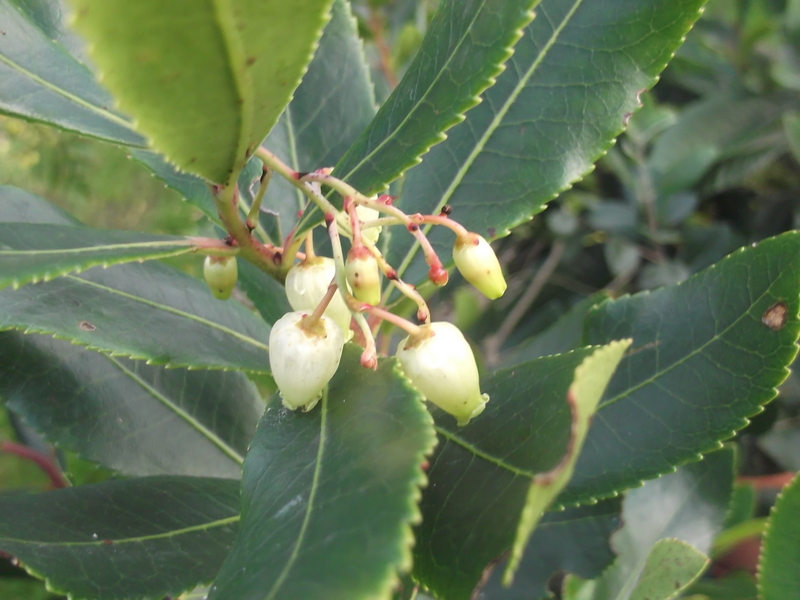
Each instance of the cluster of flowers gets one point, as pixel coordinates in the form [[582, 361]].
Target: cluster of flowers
[[329, 295]]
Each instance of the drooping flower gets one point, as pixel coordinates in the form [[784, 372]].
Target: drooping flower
[[303, 359], [306, 285], [440, 364]]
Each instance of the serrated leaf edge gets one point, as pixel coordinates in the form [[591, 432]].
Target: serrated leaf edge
[[535, 210], [579, 428], [793, 487], [700, 454]]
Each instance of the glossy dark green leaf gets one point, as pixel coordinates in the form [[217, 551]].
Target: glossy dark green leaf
[[779, 576], [332, 106], [41, 81], [205, 82], [328, 496], [150, 312], [574, 540], [481, 474], [463, 51], [109, 310], [688, 505], [41, 252], [566, 93], [135, 538], [128, 416], [707, 353]]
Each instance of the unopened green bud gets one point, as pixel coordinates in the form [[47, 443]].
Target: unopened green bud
[[478, 263], [221, 273], [364, 276], [306, 285], [304, 359], [440, 364]]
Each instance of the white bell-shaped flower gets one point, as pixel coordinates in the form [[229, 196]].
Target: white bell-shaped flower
[[307, 283], [304, 359], [442, 367]]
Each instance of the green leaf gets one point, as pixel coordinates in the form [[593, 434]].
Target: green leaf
[[266, 294], [583, 396], [779, 577], [688, 505], [136, 538], [332, 106], [108, 310], [150, 312], [41, 81], [125, 415], [204, 82], [192, 188], [481, 474], [739, 585], [41, 252], [463, 52], [707, 354], [328, 496], [671, 567], [540, 128], [574, 540], [20, 206]]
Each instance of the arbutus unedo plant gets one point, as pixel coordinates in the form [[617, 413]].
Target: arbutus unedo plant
[[317, 420]]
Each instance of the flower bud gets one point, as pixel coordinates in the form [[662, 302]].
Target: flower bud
[[440, 364], [477, 262], [369, 214], [364, 276], [303, 359], [221, 273], [307, 283]]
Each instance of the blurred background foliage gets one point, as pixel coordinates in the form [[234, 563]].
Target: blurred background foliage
[[711, 162]]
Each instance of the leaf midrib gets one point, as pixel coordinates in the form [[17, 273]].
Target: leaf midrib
[[195, 424], [323, 434], [691, 354], [224, 17], [240, 336], [132, 540], [71, 97], [413, 111], [90, 249], [495, 123]]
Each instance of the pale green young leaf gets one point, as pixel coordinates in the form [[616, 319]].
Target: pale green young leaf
[[204, 82]]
